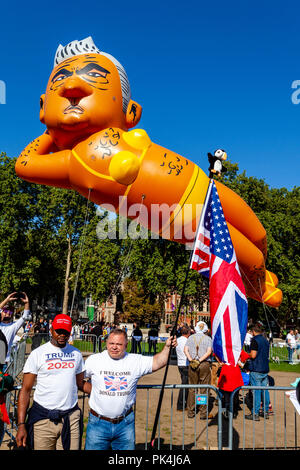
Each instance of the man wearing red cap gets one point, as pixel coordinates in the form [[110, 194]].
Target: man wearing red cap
[[54, 421]]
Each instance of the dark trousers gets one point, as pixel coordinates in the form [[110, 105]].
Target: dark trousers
[[200, 376], [135, 346], [183, 393], [226, 401], [152, 345]]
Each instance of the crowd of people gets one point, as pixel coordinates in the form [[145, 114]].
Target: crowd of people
[[197, 364], [54, 420]]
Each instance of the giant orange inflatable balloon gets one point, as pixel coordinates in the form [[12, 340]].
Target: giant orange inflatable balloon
[[88, 146]]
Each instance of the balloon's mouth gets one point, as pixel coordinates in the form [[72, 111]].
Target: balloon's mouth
[[74, 109]]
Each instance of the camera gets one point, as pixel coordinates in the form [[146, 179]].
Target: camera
[[19, 296]]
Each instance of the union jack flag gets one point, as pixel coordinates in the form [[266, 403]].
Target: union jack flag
[[115, 384], [214, 257]]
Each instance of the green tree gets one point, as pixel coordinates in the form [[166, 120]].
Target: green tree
[[279, 212], [19, 266], [101, 264], [57, 228], [137, 305]]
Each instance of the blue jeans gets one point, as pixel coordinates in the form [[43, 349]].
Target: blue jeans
[[260, 380], [290, 353], [103, 435]]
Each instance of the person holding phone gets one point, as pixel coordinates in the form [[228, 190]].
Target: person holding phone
[[8, 327]]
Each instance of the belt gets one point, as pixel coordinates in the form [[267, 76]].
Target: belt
[[111, 420]]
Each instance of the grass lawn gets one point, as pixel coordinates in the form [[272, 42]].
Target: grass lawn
[[88, 346], [285, 367]]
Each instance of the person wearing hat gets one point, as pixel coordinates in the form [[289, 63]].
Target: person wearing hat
[[8, 327], [54, 420], [198, 350], [201, 327]]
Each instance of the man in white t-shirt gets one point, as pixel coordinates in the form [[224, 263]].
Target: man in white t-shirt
[[54, 420], [291, 344], [113, 375], [183, 366]]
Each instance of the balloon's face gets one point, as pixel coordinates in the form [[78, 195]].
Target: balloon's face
[[83, 96]]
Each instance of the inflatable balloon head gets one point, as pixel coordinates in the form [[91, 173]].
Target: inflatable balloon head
[[88, 91]]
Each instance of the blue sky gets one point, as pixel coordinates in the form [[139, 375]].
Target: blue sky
[[208, 74]]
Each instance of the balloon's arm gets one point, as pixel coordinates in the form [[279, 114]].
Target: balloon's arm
[[37, 164]]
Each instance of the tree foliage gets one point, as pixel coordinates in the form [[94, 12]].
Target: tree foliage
[[49, 247], [278, 209]]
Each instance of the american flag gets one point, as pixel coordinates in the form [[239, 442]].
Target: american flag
[[115, 384], [214, 257]]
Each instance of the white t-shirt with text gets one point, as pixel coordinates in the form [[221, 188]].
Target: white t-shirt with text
[[10, 330], [114, 381], [182, 360], [56, 369], [291, 340]]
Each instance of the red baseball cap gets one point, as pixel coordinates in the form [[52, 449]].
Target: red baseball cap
[[62, 322]]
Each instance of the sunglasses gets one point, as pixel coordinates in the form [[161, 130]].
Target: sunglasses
[[7, 312], [62, 332]]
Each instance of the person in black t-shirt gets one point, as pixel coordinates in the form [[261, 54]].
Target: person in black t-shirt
[[259, 369], [136, 339], [152, 339]]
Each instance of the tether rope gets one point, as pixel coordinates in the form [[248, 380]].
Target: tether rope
[[126, 263], [81, 251]]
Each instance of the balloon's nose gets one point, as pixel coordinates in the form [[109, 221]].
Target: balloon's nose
[[75, 87]]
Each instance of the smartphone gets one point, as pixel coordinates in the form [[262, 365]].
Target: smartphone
[[19, 295]]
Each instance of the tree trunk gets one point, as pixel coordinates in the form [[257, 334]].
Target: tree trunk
[[67, 278]]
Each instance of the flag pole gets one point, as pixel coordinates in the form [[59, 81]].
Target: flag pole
[[173, 332], [170, 350]]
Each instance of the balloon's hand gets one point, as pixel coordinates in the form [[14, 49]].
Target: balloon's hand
[[40, 162]]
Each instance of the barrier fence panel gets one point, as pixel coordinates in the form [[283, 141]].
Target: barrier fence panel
[[278, 429], [176, 431], [14, 368], [279, 352], [90, 343], [87, 343], [17, 359]]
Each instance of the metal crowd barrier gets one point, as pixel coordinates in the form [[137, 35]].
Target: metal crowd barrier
[[176, 431], [279, 353], [17, 359], [276, 430], [90, 343], [14, 368]]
